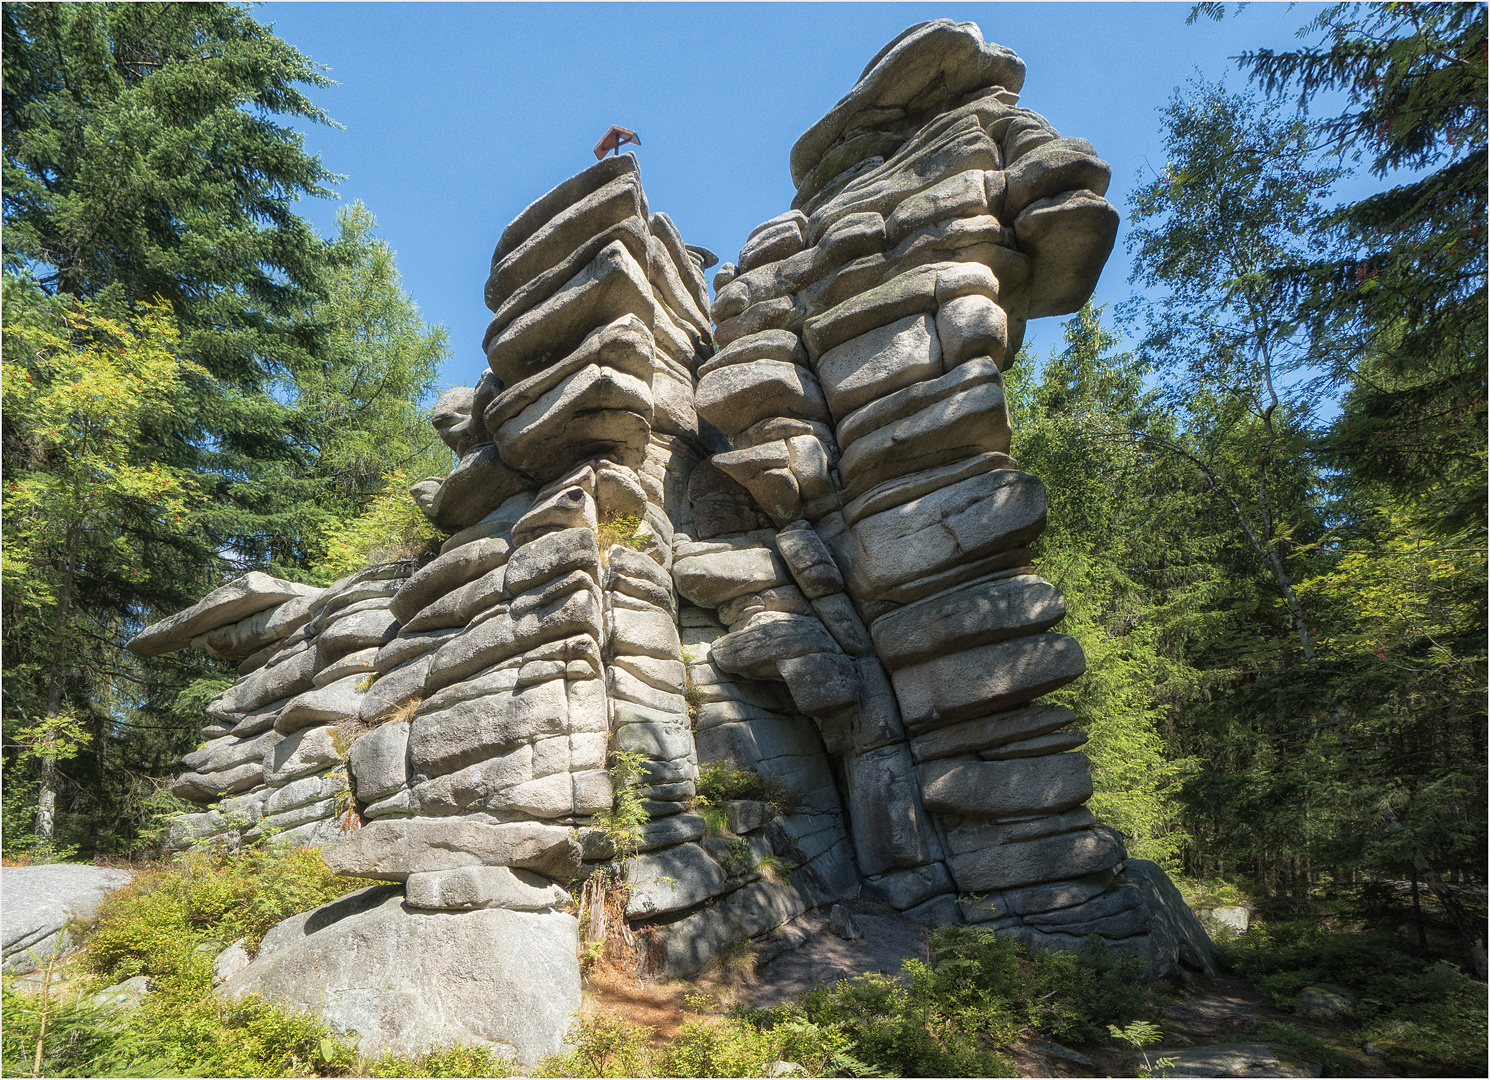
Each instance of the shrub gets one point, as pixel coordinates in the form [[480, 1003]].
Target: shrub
[[603, 1046], [718, 783], [169, 924], [618, 529], [1432, 1013], [155, 924], [624, 821], [464, 1059], [903, 1030]]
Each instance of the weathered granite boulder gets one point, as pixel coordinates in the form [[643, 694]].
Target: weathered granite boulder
[[781, 532], [403, 979], [249, 595], [40, 902]]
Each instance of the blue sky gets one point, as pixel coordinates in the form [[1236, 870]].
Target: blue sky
[[456, 116]]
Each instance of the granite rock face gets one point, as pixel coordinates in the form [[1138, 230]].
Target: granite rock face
[[41, 903], [777, 531], [403, 979]]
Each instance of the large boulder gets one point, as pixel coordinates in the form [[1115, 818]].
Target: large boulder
[[1176, 935], [41, 901], [403, 979]]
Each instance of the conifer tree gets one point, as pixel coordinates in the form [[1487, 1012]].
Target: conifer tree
[[1403, 284], [143, 162]]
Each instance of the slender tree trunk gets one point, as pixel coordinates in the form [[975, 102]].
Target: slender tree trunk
[[1417, 911], [46, 797]]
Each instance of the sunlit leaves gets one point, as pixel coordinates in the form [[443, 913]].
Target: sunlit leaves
[[79, 389]]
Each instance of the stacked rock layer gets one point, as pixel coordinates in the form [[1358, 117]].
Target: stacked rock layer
[[862, 336], [785, 536]]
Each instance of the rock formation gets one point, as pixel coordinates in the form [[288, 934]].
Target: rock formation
[[781, 532]]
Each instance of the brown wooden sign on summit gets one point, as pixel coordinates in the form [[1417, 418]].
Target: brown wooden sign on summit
[[615, 138]]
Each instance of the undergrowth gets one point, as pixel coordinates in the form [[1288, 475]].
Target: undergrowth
[[1431, 1014], [950, 1017], [164, 915], [169, 924], [619, 529], [953, 1014]]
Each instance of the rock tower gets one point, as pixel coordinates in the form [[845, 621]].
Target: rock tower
[[780, 532]]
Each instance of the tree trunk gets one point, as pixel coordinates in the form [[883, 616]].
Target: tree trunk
[[46, 798], [1417, 912]]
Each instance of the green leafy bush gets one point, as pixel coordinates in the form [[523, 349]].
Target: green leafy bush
[[603, 1046], [464, 1059], [169, 924], [903, 1030], [86, 1039], [948, 1018], [624, 821], [618, 529], [1431, 1013], [154, 925], [718, 783]]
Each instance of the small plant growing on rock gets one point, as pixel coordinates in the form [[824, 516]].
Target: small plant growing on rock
[[774, 867], [716, 819], [619, 529], [718, 783], [624, 821], [693, 697], [738, 860]]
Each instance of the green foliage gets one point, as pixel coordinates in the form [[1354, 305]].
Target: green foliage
[[618, 529], [1404, 276], [603, 1046], [184, 101], [391, 527], [1213, 893], [1239, 195], [734, 1047], [1139, 1034], [84, 1038], [1334, 1062], [718, 783], [624, 821], [462, 1060], [948, 1018], [982, 991], [738, 859], [1342, 630], [1130, 548], [168, 924], [693, 697], [154, 925], [183, 1034], [369, 400], [81, 392], [1430, 1012], [269, 379]]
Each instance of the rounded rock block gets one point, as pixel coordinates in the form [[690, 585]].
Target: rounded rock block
[[403, 980]]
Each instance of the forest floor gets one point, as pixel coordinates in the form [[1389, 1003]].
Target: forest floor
[[1205, 1011]]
